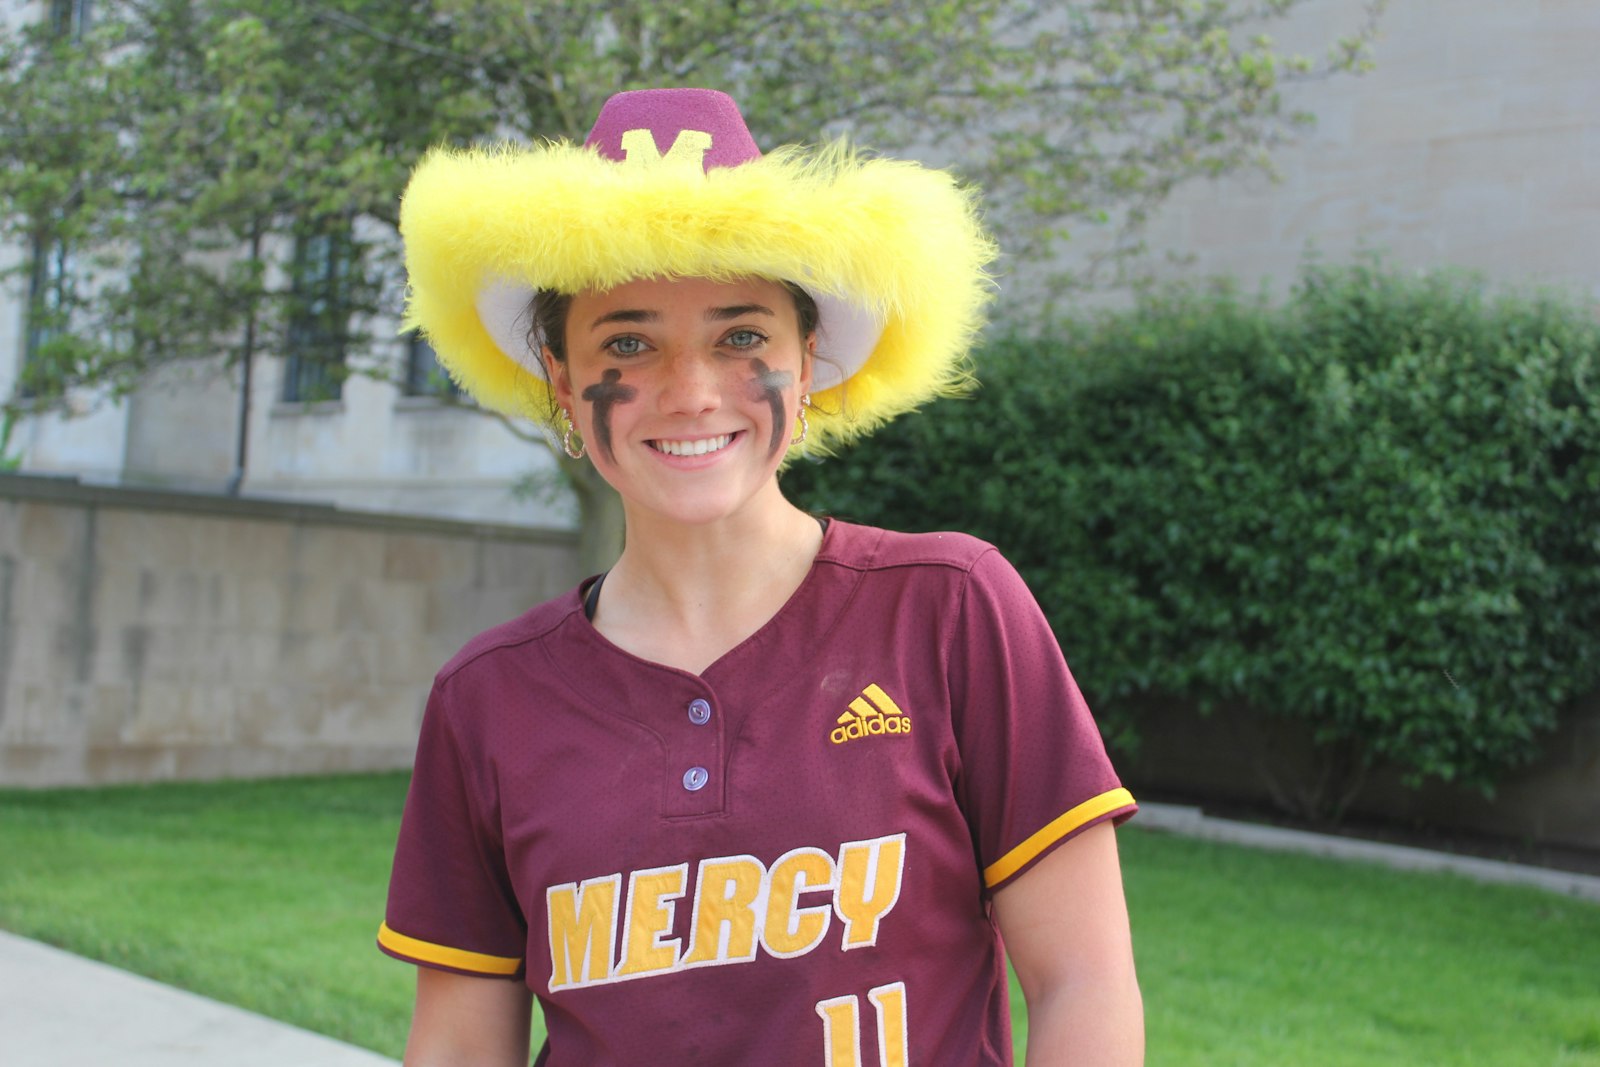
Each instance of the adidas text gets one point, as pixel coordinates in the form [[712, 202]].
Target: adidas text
[[871, 714], [878, 724]]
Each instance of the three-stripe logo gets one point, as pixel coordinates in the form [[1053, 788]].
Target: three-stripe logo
[[871, 714]]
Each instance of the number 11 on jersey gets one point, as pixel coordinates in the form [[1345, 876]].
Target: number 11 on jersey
[[841, 1027]]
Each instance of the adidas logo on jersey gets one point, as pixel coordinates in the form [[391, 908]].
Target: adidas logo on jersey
[[871, 714]]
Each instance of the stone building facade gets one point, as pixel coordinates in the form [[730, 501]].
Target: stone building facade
[[1474, 143]]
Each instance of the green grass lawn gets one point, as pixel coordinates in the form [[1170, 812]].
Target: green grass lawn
[[267, 895]]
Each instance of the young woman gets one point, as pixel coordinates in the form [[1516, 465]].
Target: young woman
[[774, 789]]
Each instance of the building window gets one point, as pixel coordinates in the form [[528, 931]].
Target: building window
[[48, 284], [69, 18], [424, 376], [319, 317]]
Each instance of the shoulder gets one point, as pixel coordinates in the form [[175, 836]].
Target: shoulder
[[533, 627], [869, 548], [938, 569]]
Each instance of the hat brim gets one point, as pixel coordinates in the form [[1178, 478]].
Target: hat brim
[[892, 252], [846, 333]]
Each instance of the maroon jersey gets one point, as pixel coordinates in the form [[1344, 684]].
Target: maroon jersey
[[786, 859]]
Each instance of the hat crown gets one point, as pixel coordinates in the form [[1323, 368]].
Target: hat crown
[[680, 125]]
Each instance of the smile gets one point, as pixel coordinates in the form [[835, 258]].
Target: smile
[[701, 447]]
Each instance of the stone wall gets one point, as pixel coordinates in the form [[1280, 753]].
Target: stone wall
[[152, 635]]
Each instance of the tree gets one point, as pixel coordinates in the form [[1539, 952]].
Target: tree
[[182, 149]]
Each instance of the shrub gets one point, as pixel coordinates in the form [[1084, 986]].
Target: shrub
[[1375, 508]]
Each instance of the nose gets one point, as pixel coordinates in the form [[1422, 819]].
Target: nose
[[692, 384]]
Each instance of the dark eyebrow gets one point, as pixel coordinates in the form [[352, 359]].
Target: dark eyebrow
[[723, 314], [626, 315], [738, 311]]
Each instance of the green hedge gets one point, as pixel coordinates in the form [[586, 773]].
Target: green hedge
[[1375, 508]]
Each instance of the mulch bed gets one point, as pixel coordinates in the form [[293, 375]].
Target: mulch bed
[[1438, 839]]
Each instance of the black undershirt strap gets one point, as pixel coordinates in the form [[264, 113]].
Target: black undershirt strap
[[591, 599]]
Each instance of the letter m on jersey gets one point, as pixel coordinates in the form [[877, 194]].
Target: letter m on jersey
[[688, 150], [583, 931]]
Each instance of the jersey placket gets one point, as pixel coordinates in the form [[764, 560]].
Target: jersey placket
[[696, 779]]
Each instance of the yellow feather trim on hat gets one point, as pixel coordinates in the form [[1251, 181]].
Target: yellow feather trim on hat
[[894, 238]]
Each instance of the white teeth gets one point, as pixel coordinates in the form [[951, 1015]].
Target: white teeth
[[694, 448]]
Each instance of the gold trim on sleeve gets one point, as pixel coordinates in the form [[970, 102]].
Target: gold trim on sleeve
[[445, 956], [1055, 830]]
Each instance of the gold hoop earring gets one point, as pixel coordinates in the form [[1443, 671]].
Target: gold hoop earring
[[805, 426], [566, 439]]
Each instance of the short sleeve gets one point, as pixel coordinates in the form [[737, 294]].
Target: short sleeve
[[1034, 770], [451, 903]]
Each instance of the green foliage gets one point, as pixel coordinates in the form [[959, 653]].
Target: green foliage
[[1375, 509], [179, 152], [180, 148]]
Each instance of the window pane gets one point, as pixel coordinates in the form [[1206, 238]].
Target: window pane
[[69, 18], [47, 304], [319, 318], [424, 375]]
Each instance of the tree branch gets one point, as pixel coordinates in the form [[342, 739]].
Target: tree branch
[[350, 22]]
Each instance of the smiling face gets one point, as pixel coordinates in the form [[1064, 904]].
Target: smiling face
[[687, 391]]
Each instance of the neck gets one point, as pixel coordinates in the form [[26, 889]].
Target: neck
[[717, 561], [683, 595]]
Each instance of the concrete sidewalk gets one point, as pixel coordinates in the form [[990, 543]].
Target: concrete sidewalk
[[60, 1010]]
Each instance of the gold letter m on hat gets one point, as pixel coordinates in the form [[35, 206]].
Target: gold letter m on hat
[[688, 148]]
